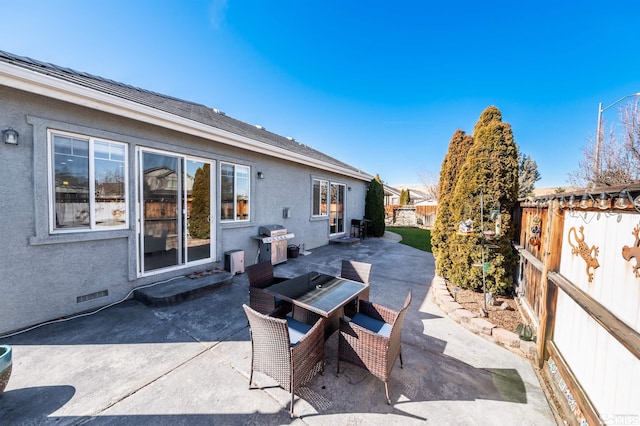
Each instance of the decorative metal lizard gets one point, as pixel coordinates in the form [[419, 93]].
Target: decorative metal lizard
[[629, 252], [581, 248]]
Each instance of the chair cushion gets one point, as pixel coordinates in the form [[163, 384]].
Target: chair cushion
[[297, 330], [372, 324]]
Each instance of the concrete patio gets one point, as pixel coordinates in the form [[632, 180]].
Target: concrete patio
[[189, 363]]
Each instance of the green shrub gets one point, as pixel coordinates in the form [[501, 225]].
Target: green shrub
[[374, 207]]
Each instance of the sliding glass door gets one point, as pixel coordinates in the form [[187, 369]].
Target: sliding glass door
[[336, 214], [175, 201]]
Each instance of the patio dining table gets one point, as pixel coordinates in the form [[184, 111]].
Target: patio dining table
[[315, 294]]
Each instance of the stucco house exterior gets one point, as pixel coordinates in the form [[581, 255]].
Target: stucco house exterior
[[111, 187]]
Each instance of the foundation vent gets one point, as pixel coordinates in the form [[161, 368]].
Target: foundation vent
[[92, 296]]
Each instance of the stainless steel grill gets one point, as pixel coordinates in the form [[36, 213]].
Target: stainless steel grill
[[272, 243]]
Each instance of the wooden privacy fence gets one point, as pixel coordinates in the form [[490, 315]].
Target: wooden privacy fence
[[579, 281]]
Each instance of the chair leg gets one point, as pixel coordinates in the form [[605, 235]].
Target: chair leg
[[386, 389], [291, 410], [251, 376], [251, 373], [400, 354]]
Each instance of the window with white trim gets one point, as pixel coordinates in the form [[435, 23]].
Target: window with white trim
[[320, 195], [87, 183], [235, 190]]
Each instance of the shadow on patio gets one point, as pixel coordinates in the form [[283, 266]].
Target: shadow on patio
[[189, 363]]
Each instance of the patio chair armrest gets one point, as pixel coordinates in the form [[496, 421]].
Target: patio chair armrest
[[365, 294], [377, 311], [365, 348], [307, 340], [307, 355], [261, 301]]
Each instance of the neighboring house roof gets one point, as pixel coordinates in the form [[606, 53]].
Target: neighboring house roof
[[202, 120], [417, 197], [390, 190]]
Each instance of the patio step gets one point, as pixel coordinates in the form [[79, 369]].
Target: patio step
[[345, 240], [182, 289]]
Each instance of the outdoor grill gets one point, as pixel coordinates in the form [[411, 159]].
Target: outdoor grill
[[272, 243]]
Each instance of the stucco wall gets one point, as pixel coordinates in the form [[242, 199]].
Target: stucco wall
[[42, 274]]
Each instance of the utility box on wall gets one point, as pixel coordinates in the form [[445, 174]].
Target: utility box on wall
[[234, 261]]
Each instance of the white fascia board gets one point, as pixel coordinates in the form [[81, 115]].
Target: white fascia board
[[44, 85]]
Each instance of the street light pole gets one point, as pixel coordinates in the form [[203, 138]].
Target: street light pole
[[596, 166]]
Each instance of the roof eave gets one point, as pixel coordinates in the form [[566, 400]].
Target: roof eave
[[41, 84]]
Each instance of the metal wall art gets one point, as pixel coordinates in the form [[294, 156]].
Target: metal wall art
[[536, 231], [634, 251], [590, 255]]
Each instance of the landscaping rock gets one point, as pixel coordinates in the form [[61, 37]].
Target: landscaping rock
[[442, 299], [530, 349], [481, 325], [450, 306], [506, 337], [462, 316]]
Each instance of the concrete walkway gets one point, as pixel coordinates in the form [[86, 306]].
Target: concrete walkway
[[189, 363]]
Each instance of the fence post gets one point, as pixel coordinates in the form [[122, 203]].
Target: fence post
[[551, 262]]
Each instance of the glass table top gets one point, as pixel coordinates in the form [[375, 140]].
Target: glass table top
[[317, 292]]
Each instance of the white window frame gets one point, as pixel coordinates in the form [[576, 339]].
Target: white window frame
[[235, 192], [321, 183], [92, 227]]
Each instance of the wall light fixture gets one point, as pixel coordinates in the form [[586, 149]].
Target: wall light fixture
[[10, 136]]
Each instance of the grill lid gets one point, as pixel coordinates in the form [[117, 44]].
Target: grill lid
[[271, 229]]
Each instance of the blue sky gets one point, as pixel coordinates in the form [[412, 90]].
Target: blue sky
[[380, 85]]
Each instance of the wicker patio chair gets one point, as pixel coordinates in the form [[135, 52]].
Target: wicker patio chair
[[360, 272], [371, 339], [288, 351], [260, 276]]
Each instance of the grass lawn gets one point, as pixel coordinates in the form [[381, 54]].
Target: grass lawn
[[414, 237]]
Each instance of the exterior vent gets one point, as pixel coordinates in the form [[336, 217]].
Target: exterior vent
[[259, 127], [217, 111], [290, 138], [92, 296]]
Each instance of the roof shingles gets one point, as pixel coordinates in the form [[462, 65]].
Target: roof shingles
[[185, 109]]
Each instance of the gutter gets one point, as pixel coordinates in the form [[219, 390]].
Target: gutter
[[51, 87]]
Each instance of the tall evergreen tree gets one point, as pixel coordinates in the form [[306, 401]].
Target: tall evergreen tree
[[404, 197], [374, 207], [488, 176], [528, 175], [443, 227]]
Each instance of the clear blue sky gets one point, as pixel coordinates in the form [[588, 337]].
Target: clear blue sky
[[381, 85]]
